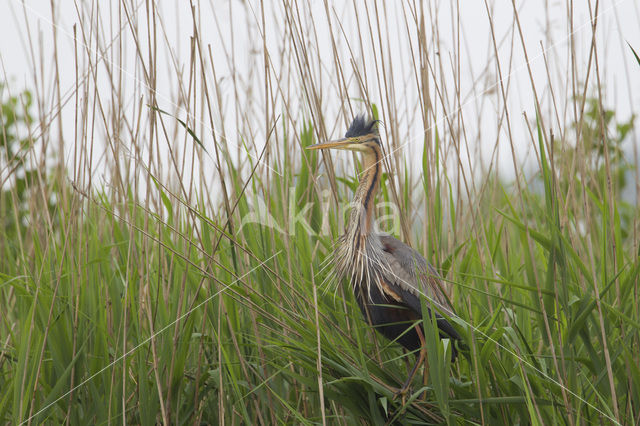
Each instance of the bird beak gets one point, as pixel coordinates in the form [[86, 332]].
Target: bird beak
[[345, 143]]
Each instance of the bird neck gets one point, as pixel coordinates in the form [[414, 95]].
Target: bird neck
[[359, 255], [361, 220]]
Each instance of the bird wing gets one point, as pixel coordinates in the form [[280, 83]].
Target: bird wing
[[406, 269]]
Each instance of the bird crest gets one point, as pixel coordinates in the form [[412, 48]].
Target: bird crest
[[361, 126]]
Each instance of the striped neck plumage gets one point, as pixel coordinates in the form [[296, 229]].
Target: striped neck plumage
[[361, 220], [359, 256]]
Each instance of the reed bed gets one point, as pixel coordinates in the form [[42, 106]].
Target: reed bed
[[165, 236]]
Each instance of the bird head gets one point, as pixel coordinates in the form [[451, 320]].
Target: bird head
[[361, 136]]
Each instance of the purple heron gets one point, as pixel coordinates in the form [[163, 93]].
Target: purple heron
[[387, 276]]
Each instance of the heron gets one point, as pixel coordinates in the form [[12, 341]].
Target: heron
[[387, 276]]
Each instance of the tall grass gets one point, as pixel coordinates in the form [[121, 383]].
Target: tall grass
[[164, 259]]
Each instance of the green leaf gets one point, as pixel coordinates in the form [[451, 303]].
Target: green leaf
[[634, 53], [187, 128]]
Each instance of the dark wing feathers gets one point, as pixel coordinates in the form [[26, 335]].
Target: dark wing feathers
[[411, 275]]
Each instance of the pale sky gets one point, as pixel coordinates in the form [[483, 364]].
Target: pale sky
[[230, 26]]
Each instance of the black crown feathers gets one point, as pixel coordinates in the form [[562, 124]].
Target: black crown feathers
[[361, 126]]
